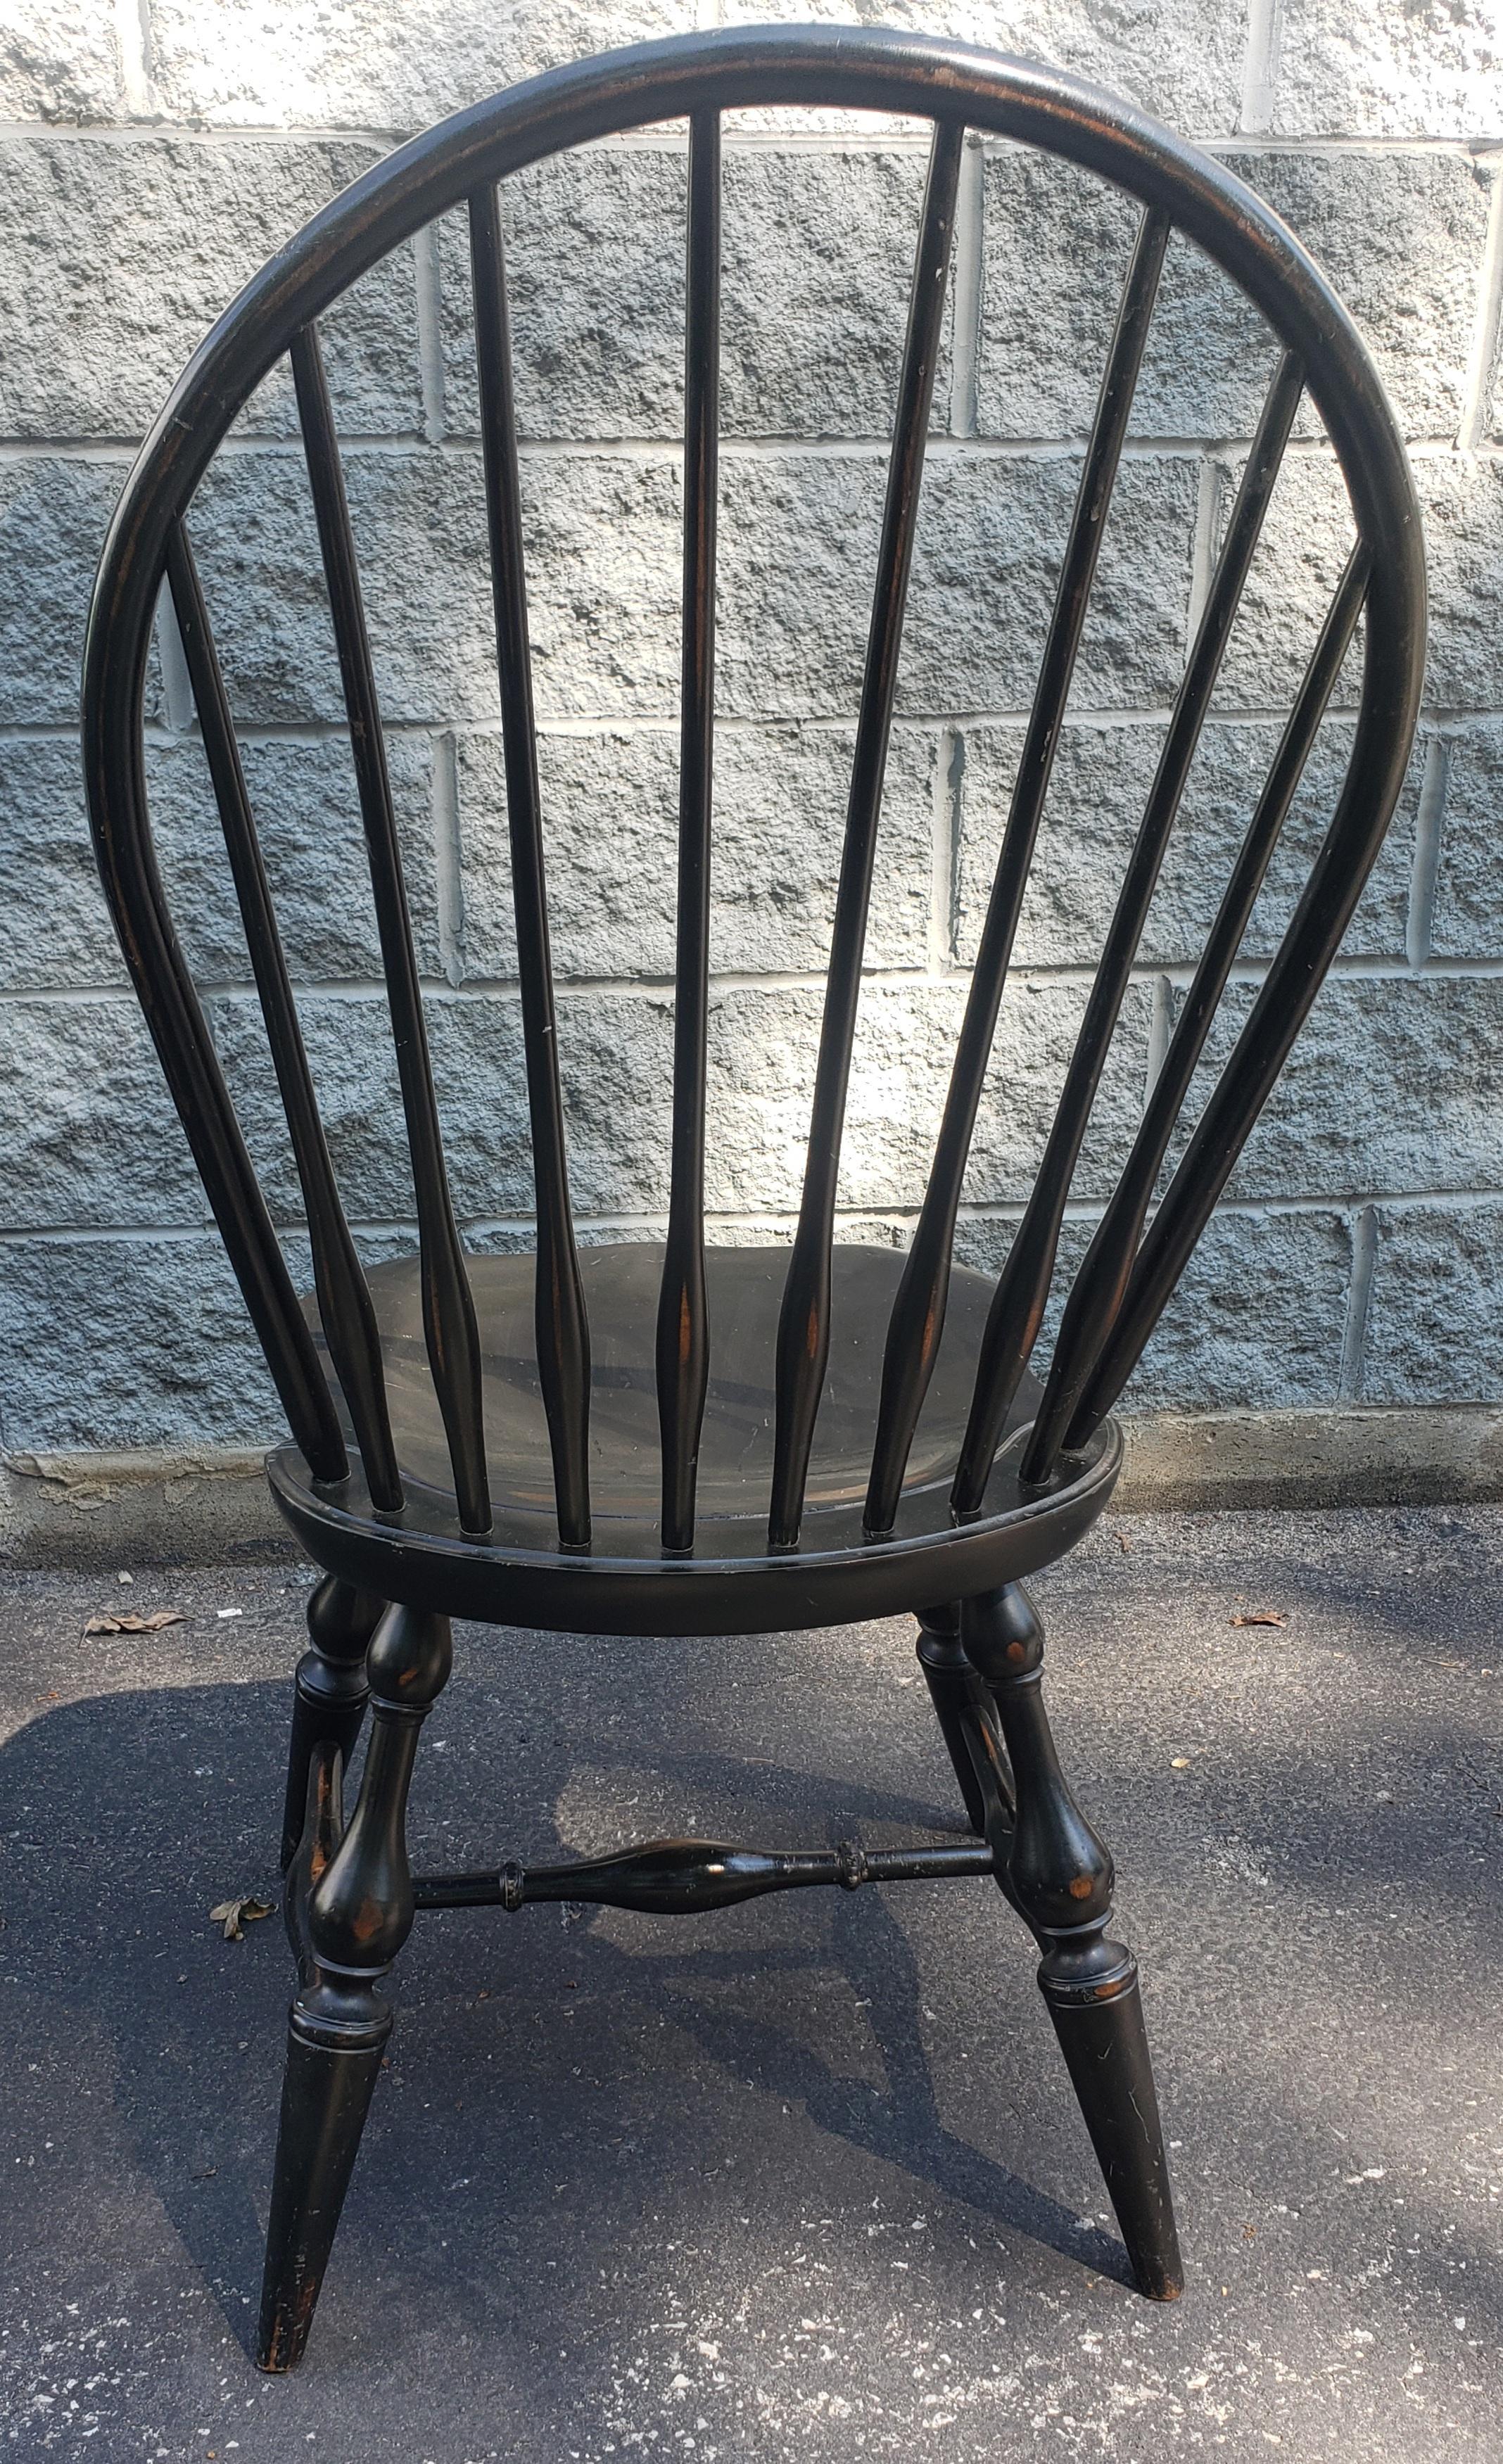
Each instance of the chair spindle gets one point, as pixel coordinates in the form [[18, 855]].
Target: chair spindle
[[1018, 1303], [683, 1334], [918, 1319], [563, 1326], [1210, 1155], [803, 1348], [345, 1309], [1096, 1294], [449, 1321], [113, 771]]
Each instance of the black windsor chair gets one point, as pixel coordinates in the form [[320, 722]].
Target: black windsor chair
[[499, 1438]]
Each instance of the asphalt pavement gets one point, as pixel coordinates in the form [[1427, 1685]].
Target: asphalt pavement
[[803, 2179]]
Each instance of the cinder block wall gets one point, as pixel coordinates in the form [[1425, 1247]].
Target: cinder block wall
[[155, 153]]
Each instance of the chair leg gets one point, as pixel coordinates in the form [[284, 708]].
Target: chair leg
[[359, 1915], [952, 1685], [1060, 1877], [329, 1694]]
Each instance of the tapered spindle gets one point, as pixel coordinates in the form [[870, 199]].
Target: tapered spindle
[[683, 1332], [1096, 1294], [562, 1328], [114, 778], [345, 1309], [1016, 1307], [917, 1320], [449, 1323], [1368, 795], [804, 1324]]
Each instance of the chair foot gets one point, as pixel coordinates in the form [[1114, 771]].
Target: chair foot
[[329, 1693], [1100, 2028], [336, 2034], [1060, 1879], [359, 1913]]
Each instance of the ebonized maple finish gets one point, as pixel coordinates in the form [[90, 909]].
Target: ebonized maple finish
[[667, 1436]]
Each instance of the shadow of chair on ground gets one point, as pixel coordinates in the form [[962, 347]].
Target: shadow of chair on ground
[[134, 1813]]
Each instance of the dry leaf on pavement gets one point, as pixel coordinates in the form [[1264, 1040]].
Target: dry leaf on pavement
[[235, 1915], [108, 1624]]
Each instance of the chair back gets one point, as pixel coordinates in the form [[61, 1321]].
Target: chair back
[[1138, 1248]]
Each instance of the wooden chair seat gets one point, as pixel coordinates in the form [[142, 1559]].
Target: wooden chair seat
[[731, 1583]]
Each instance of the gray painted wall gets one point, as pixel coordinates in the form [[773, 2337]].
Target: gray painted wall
[[153, 156]]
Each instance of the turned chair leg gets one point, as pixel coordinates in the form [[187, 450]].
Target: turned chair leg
[[330, 1693], [357, 1916], [953, 1687], [1060, 1878]]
